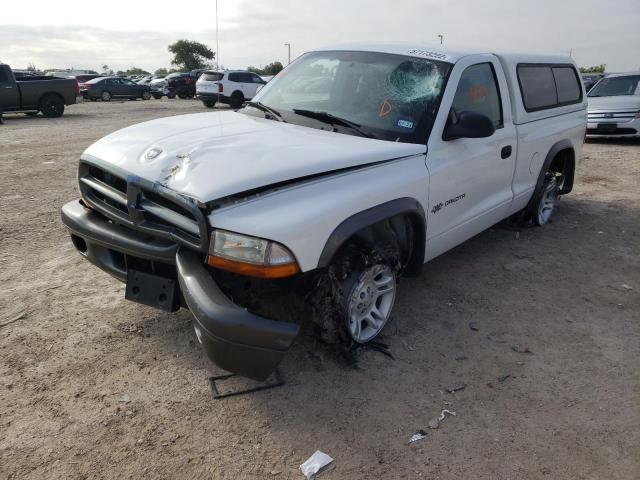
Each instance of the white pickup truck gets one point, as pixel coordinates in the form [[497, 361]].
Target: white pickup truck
[[355, 164]]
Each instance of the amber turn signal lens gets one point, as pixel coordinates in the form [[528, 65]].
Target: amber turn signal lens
[[252, 270]]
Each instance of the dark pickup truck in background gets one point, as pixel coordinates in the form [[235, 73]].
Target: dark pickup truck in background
[[31, 95]]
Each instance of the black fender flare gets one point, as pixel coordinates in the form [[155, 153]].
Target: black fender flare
[[366, 218], [553, 152]]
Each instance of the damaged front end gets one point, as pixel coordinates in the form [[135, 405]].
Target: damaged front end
[[157, 241]]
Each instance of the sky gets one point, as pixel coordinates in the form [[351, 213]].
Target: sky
[[129, 33]]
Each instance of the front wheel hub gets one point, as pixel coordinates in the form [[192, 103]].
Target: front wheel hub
[[370, 302]]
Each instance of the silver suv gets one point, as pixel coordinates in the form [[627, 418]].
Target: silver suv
[[614, 107], [232, 87]]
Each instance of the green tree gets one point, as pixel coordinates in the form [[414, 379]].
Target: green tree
[[32, 67], [190, 55], [136, 71], [593, 69], [106, 70], [161, 71], [272, 69]]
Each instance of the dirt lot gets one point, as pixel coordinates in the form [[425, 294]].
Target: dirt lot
[[569, 292]]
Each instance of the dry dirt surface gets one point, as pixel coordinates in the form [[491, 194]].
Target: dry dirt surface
[[93, 386]]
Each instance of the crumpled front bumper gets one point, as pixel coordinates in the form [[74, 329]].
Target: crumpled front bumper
[[232, 337]]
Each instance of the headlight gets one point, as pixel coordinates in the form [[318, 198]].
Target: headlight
[[251, 256]]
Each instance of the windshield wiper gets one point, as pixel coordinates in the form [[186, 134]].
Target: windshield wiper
[[329, 118], [272, 111]]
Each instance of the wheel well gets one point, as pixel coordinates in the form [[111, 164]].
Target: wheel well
[[49, 94], [237, 92], [565, 162], [405, 232]]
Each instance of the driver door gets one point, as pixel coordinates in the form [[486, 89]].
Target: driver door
[[470, 186]]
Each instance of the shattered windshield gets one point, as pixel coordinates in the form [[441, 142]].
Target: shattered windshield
[[377, 95]]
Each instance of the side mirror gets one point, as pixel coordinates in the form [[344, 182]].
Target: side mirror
[[468, 125]]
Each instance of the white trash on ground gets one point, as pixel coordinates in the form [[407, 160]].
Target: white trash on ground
[[315, 463], [419, 435]]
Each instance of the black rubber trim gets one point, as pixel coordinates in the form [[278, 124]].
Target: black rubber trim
[[555, 149], [373, 215], [232, 337]]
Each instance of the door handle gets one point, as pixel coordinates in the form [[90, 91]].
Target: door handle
[[505, 152]]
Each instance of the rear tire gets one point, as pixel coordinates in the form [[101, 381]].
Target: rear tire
[[237, 99], [157, 96], [209, 103], [52, 106], [105, 96], [183, 96], [146, 95], [547, 204]]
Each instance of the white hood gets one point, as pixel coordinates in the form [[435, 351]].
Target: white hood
[[617, 103], [215, 154]]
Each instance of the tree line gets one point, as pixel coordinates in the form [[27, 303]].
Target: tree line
[[191, 55]]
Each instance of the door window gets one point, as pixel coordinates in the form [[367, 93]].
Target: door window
[[478, 92], [3, 76]]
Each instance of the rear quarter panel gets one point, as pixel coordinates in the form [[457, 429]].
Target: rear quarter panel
[[535, 140], [303, 217]]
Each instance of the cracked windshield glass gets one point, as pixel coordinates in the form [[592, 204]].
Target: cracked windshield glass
[[377, 95]]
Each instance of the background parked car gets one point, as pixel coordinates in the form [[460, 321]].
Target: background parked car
[[85, 78], [106, 88], [33, 94], [181, 84], [230, 87], [590, 79], [614, 107], [144, 80]]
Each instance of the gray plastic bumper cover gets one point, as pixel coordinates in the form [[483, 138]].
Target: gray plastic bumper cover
[[232, 337]]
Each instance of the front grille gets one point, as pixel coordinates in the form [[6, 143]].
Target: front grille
[[145, 206], [621, 117]]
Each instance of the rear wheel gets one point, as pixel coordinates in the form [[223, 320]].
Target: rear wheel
[[146, 95], [209, 103], [549, 198], [105, 96], [237, 99], [52, 106]]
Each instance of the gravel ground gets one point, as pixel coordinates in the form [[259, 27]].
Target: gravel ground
[[93, 386]]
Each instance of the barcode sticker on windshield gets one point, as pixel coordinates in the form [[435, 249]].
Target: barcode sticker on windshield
[[408, 124], [428, 54]]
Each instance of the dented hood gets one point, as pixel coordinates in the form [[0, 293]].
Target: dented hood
[[215, 154]]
